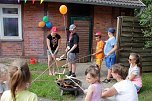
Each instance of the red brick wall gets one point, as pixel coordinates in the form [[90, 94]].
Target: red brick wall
[[33, 35], [105, 17]]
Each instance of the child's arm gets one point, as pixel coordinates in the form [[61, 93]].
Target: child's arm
[[109, 92], [132, 77], [89, 93]]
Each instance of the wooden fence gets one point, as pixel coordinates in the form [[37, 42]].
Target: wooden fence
[[131, 39]]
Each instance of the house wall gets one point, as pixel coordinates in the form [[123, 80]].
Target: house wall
[[105, 17], [34, 38]]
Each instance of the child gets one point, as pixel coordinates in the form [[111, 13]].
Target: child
[[20, 78], [124, 89], [99, 49], [94, 91], [135, 70], [109, 51], [53, 43], [3, 79]]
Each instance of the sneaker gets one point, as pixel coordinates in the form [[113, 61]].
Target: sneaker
[[70, 73], [73, 75], [106, 81]]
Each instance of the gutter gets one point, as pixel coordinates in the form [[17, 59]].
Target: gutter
[[96, 3]]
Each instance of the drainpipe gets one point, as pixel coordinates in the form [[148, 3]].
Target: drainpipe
[[141, 10]]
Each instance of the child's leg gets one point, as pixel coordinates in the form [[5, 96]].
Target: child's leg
[[99, 63]]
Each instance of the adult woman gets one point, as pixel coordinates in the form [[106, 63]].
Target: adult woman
[[124, 89]]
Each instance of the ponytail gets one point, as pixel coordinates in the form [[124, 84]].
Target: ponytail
[[19, 76]]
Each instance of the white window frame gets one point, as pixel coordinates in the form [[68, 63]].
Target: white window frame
[[10, 38]]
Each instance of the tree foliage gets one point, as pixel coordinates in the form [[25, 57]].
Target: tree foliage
[[146, 21]]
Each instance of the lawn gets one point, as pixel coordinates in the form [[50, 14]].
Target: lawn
[[146, 91], [46, 87]]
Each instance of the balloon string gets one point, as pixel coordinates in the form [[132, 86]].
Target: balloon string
[[64, 24]]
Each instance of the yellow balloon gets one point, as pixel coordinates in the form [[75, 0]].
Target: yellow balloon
[[63, 9]]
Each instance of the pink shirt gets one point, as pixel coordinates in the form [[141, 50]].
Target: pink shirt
[[96, 96]]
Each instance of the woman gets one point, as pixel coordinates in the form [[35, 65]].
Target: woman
[[124, 89]]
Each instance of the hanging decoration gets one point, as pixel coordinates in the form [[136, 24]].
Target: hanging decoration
[[48, 24], [41, 24], [63, 9], [41, 1], [25, 1], [45, 23], [33, 1], [45, 19]]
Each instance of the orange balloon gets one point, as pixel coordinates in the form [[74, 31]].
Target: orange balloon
[[41, 24], [63, 9]]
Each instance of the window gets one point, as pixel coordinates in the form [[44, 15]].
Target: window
[[10, 22]]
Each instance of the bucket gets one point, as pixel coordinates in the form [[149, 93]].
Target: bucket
[[33, 61]]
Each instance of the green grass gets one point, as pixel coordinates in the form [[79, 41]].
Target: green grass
[[146, 91], [45, 85]]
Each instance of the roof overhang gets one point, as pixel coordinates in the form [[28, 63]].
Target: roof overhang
[[113, 3]]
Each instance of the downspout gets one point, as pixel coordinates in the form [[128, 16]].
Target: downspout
[[141, 9]]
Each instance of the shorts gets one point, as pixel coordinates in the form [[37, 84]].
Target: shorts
[[110, 60], [72, 58], [99, 62], [137, 88], [48, 52]]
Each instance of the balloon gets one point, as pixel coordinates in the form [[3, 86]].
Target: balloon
[[41, 24], [63, 9], [45, 19], [49, 25]]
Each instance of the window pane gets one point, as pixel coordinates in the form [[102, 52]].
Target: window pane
[[10, 26], [10, 10]]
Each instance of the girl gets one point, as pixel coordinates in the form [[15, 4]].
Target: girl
[[124, 89], [53, 43], [20, 78], [135, 70], [94, 91]]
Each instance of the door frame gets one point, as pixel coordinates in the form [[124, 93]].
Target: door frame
[[90, 19]]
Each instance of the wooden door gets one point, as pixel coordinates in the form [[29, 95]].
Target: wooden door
[[84, 30]]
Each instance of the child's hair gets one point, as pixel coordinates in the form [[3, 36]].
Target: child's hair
[[138, 61], [94, 71], [3, 70], [19, 75], [121, 70], [98, 36]]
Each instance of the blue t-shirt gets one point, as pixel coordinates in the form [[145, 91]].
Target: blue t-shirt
[[110, 45]]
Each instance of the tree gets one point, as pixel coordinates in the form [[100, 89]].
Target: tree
[[146, 21]]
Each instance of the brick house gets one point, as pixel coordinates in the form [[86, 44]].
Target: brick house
[[20, 35]]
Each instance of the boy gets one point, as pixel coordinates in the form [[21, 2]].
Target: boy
[[99, 49], [109, 51]]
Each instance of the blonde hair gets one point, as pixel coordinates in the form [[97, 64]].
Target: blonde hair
[[19, 75]]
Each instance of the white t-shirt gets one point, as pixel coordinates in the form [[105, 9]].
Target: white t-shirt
[[126, 91]]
